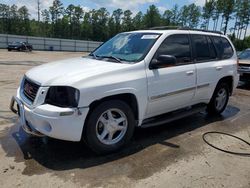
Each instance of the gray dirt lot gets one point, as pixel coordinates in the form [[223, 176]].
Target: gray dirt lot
[[172, 155]]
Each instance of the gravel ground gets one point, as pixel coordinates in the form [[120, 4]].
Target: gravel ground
[[172, 155]]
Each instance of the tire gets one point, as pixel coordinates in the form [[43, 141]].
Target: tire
[[9, 50], [214, 108], [96, 127]]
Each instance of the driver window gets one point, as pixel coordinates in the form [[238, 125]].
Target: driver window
[[176, 45]]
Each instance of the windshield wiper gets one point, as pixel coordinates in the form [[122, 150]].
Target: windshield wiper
[[106, 56], [92, 54], [111, 57]]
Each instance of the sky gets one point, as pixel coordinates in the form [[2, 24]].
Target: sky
[[133, 5]]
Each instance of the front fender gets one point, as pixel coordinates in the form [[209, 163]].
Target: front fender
[[140, 95]]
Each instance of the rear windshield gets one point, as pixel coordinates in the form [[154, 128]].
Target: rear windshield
[[223, 47]]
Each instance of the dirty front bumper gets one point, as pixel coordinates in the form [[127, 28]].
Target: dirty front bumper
[[49, 120], [19, 110]]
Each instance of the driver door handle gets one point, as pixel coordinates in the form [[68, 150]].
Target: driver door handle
[[219, 68], [189, 73]]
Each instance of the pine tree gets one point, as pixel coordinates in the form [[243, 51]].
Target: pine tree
[[152, 17]]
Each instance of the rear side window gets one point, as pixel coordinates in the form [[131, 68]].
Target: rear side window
[[201, 47], [176, 45], [223, 47]]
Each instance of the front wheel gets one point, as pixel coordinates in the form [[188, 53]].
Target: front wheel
[[219, 100], [109, 126]]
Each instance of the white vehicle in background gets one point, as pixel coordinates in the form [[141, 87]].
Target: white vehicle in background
[[136, 79]]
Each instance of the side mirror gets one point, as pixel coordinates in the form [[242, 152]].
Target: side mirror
[[163, 61]]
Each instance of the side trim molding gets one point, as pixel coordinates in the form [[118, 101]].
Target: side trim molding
[[179, 91], [203, 85], [172, 93]]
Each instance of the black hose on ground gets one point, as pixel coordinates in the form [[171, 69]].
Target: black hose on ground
[[226, 151]]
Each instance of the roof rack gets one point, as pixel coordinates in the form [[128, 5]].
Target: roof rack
[[202, 30], [164, 27], [183, 28]]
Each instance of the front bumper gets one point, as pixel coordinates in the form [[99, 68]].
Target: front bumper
[[52, 121]]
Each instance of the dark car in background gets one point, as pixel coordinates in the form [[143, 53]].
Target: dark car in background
[[244, 65], [20, 46]]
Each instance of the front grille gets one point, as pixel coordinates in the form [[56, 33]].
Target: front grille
[[30, 90], [244, 65]]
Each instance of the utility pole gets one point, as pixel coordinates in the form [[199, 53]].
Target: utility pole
[[38, 10]]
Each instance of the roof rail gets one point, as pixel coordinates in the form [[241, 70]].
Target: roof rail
[[183, 28], [164, 27], [202, 30]]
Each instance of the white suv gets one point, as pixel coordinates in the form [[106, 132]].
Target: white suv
[[136, 79]]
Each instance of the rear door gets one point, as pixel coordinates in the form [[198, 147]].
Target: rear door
[[211, 55], [173, 86]]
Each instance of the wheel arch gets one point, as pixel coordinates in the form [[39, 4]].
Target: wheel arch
[[228, 80], [212, 109], [129, 98]]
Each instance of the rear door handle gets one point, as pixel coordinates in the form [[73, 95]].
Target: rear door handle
[[190, 73], [219, 68]]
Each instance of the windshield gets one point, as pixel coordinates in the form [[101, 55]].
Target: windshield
[[245, 55], [130, 47]]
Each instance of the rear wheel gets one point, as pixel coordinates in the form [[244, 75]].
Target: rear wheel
[[219, 100], [109, 126]]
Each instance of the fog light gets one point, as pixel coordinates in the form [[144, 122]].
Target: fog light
[[66, 113], [47, 127]]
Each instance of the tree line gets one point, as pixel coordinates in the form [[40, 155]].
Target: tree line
[[73, 22]]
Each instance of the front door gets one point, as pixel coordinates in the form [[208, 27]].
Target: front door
[[173, 86]]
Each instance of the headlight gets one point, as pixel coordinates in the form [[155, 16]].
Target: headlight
[[63, 96]]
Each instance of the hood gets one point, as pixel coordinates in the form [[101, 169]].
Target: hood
[[70, 71], [241, 61]]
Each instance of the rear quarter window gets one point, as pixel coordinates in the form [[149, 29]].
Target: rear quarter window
[[223, 47]]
